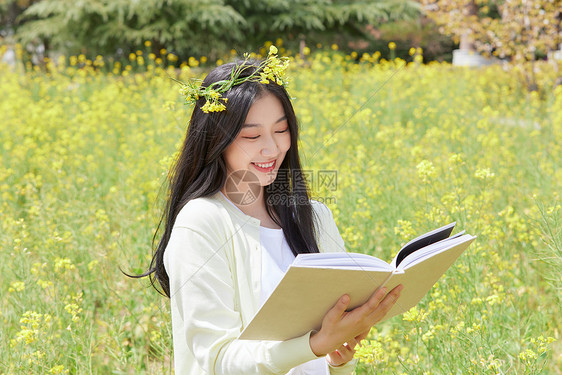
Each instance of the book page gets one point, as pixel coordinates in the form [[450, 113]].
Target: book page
[[423, 241], [341, 260], [419, 278], [432, 250]]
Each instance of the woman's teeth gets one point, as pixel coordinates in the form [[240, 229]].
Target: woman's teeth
[[266, 165]]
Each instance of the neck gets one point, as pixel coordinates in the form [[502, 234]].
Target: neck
[[256, 209]]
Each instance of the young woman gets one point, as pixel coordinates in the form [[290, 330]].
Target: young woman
[[238, 212]]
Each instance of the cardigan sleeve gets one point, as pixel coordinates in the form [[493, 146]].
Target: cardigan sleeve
[[203, 292], [345, 369]]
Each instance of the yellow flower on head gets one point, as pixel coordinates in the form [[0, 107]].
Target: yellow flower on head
[[214, 94], [206, 107], [272, 69]]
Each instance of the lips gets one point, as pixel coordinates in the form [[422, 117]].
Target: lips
[[265, 167]]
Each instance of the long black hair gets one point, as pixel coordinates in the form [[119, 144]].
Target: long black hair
[[200, 170]]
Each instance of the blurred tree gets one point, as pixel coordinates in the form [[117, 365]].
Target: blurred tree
[[457, 18], [198, 27], [324, 20], [518, 30], [9, 12], [105, 27]]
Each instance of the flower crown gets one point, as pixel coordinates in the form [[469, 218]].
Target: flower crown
[[271, 69]]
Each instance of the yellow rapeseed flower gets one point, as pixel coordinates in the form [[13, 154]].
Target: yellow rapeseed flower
[[426, 171], [16, 286], [484, 174], [63, 264]]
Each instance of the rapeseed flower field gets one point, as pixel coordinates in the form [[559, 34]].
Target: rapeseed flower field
[[394, 148]]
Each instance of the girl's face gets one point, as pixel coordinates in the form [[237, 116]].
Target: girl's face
[[263, 141]]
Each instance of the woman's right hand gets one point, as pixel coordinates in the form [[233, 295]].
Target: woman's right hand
[[340, 326]]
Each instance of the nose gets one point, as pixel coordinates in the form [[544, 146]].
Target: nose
[[269, 146]]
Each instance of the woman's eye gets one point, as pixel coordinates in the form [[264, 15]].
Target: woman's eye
[[283, 131], [251, 137]]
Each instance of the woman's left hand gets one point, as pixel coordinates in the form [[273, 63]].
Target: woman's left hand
[[345, 353]]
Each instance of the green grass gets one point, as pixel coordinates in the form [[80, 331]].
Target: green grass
[[83, 156]]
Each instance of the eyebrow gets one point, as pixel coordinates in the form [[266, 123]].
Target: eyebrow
[[258, 125]]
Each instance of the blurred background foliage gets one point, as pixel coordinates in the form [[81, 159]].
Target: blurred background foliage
[[520, 32], [211, 27], [515, 31]]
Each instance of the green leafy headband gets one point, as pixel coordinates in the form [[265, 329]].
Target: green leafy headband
[[271, 69]]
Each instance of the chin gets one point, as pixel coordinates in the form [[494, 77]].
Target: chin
[[267, 182]]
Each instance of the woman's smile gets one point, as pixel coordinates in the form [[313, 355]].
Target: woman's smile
[[265, 167]]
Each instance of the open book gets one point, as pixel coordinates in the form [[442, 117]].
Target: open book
[[314, 282]]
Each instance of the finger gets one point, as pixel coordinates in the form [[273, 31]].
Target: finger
[[344, 354], [373, 301], [394, 294], [398, 288], [335, 358], [339, 308], [388, 301], [351, 344], [343, 349], [362, 336]]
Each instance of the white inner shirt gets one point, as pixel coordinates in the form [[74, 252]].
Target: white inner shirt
[[275, 259]]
